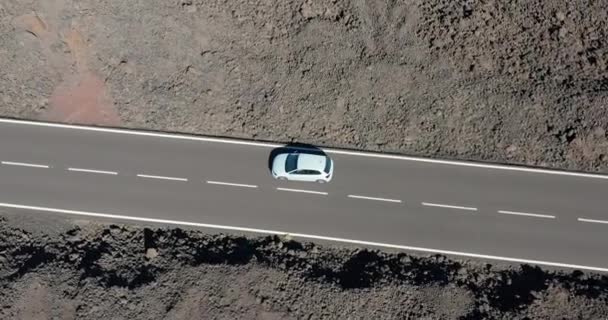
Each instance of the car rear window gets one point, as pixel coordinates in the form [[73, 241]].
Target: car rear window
[[327, 165], [291, 163]]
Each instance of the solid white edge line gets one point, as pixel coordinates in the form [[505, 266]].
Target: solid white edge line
[[373, 198], [328, 150], [92, 171], [593, 221], [306, 236], [526, 214], [161, 177], [302, 191], [428, 204], [136, 132], [232, 184], [23, 164]]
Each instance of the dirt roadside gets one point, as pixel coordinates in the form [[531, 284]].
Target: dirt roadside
[[521, 81], [53, 268], [509, 81]]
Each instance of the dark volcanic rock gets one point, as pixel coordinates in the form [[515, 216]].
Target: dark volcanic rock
[[96, 272]]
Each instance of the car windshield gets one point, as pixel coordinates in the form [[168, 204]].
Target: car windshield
[[307, 172], [291, 163], [327, 165]]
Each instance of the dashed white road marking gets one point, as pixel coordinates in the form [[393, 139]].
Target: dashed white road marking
[[328, 150], [448, 206], [23, 164], [303, 236], [302, 191], [593, 221], [373, 198], [526, 214], [161, 177], [93, 171], [232, 184]]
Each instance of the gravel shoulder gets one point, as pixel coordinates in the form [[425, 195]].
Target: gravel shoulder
[[508, 81], [52, 267]]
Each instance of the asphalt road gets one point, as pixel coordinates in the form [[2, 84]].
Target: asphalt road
[[435, 207]]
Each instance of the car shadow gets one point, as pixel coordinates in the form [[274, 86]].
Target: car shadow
[[294, 147]]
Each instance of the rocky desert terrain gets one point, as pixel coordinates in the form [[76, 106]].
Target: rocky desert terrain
[[517, 81], [53, 268], [509, 81]]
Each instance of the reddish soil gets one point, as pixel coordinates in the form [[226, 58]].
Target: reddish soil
[[85, 102], [81, 96]]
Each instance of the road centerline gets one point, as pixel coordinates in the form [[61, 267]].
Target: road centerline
[[147, 176], [447, 206], [374, 198], [243, 142], [93, 171], [592, 220], [527, 214], [302, 191], [24, 164], [221, 183]]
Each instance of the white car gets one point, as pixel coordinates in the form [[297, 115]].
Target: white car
[[298, 166]]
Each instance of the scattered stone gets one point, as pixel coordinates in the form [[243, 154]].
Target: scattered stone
[[512, 148], [151, 253]]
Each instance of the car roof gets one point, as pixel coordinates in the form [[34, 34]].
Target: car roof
[[311, 162]]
